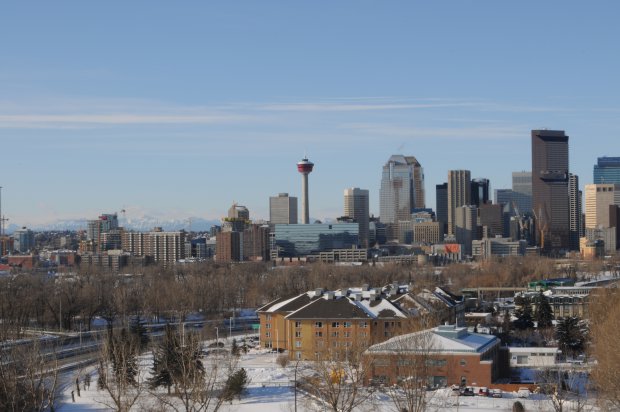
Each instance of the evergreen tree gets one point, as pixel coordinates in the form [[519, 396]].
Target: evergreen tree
[[138, 331], [123, 354], [164, 360], [524, 314], [234, 349], [544, 314], [506, 328], [235, 385], [571, 334]]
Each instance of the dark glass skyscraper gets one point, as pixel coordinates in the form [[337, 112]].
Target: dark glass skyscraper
[[480, 191], [550, 201], [607, 170], [441, 204]]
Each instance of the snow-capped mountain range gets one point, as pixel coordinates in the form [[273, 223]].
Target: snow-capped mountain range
[[142, 224]]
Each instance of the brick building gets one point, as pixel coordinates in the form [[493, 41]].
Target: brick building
[[315, 321], [451, 355]]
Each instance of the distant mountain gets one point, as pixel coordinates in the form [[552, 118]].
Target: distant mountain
[[142, 224]]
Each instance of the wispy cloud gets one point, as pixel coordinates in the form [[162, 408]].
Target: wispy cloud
[[474, 132]]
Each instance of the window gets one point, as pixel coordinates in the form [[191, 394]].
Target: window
[[268, 317], [347, 324], [436, 362], [318, 334], [298, 355], [363, 324], [335, 324], [267, 334], [463, 362], [363, 334], [268, 326], [347, 334], [335, 334], [298, 344], [319, 343], [298, 324], [298, 334], [318, 324], [381, 362]]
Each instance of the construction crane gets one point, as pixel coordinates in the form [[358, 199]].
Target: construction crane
[[519, 220], [542, 225]]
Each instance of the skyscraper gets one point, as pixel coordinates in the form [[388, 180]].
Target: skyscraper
[[402, 188], [522, 191], [480, 191], [550, 188], [459, 194], [441, 204], [575, 214], [356, 206], [466, 226], [607, 170], [282, 209], [598, 199]]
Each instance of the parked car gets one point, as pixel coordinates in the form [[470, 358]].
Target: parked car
[[468, 391], [483, 391], [523, 393], [495, 393]]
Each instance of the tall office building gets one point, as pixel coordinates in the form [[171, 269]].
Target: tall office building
[[599, 197], [575, 211], [522, 191], [607, 170], [238, 212], [282, 209], [550, 188], [356, 206], [402, 188], [480, 191], [441, 204], [466, 226], [23, 240], [459, 194], [167, 247]]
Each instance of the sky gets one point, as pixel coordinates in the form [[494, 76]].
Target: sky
[[177, 109]]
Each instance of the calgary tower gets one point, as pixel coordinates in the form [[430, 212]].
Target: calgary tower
[[305, 168]]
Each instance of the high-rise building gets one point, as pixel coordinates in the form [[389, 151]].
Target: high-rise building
[[466, 226], [23, 240], [550, 188], [522, 191], [459, 194], [480, 191], [575, 214], [229, 247], [491, 220], [402, 188], [167, 247], [238, 212], [356, 206], [607, 170], [282, 209], [599, 197], [441, 204]]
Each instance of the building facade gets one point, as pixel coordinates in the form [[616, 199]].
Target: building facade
[[402, 188], [575, 213], [550, 189], [282, 209], [302, 240], [459, 194], [522, 191], [607, 170], [356, 206]]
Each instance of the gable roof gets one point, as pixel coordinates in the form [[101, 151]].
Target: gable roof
[[340, 307], [440, 340]]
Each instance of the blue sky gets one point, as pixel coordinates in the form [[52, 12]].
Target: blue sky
[[177, 109]]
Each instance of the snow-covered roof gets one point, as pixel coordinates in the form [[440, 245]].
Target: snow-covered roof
[[375, 307], [443, 339]]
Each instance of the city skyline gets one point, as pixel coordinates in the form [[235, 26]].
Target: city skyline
[[179, 115]]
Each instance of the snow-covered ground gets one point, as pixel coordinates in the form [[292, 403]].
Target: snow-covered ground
[[271, 390]]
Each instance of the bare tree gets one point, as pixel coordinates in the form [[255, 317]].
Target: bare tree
[[28, 379], [119, 373], [198, 381], [605, 334], [338, 378], [411, 360], [566, 388]]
